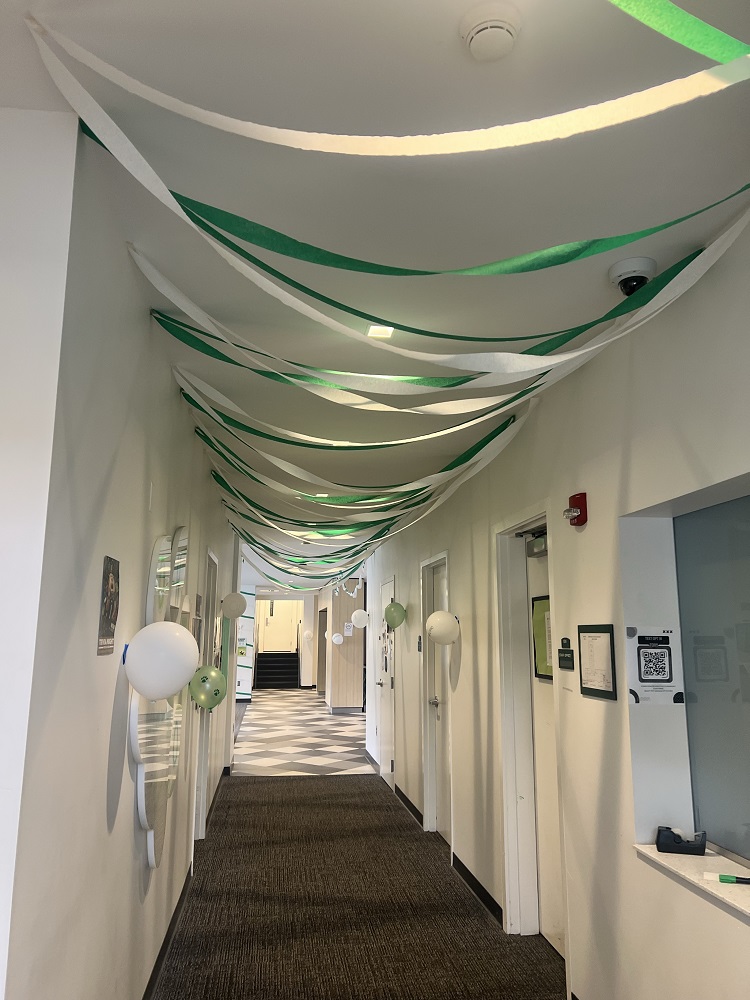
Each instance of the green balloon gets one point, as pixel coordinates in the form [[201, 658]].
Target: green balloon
[[208, 687], [394, 614]]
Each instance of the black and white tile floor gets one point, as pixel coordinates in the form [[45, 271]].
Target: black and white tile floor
[[292, 732]]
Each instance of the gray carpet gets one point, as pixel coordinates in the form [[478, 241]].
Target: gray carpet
[[324, 888]]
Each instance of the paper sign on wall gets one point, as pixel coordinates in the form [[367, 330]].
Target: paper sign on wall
[[655, 675], [348, 628]]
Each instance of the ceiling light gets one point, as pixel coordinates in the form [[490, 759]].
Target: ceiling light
[[380, 331], [490, 30]]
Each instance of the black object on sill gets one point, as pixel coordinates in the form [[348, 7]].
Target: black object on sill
[[669, 842]]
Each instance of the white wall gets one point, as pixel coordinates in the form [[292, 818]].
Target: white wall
[[88, 918], [36, 195], [659, 414]]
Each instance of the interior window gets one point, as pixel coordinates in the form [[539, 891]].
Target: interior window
[[712, 548]]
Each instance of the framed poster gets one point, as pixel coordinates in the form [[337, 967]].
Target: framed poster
[[542, 635], [596, 656], [109, 606]]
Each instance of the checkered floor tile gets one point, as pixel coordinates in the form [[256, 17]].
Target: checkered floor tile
[[292, 732]]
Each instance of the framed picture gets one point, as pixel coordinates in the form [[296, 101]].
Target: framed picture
[[542, 635], [596, 655]]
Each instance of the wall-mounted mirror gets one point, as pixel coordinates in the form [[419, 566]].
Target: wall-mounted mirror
[[178, 586], [159, 580], [156, 743]]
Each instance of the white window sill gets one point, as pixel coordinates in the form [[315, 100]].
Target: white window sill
[[688, 869]]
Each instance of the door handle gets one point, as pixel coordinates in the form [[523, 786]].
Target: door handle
[[379, 683], [434, 702]]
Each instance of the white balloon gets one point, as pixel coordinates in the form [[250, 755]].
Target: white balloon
[[161, 659], [360, 618], [337, 638], [442, 627], [308, 635], [233, 606]]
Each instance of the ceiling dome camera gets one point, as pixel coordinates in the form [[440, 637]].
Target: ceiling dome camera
[[631, 274]]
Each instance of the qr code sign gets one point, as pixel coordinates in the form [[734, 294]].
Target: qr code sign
[[654, 664]]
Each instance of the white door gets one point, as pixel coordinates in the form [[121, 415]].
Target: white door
[[442, 711], [278, 622], [384, 686], [549, 862], [437, 756]]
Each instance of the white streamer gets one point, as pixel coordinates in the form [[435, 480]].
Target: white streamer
[[505, 367], [578, 121]]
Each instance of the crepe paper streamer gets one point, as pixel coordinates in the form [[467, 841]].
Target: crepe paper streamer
[[329, 528], [686, 29], [193, 387], [564, 253], [333, 559], [578, 121], [505, 367], [393, 383], [236, 462], [330, 391], [504, 435]]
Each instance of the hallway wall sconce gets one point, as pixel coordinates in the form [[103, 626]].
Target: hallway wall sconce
[[233, 606], [308, 635], [443, 628], [160, 660], [577, 510]]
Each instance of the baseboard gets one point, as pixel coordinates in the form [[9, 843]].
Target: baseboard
[[573, 996], [306, 687], [345, 711], [404, 798], [484, 897], [227, 770], [371, 759], [161, 957], [215, 799]]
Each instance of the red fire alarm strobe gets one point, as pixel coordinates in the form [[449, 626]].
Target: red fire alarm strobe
[[577, 511]]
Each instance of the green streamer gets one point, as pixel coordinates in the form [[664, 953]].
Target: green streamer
[[621, 309], [328, 528], [191, 337], [634, 301], [686, 29], [537, 260]]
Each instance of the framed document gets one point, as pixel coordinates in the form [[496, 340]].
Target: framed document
[[540, 627], [596, 655]]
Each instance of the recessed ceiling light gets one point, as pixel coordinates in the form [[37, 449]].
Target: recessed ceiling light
[[380, 331]]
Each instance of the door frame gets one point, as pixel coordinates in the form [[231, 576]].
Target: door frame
[[521, 907], [429, 734], [384, 766]]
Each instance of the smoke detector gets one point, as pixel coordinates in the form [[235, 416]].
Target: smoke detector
[[490, 30]]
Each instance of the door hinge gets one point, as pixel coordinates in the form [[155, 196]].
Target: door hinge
[[393, 766]]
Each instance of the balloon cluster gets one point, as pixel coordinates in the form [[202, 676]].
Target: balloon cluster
[[208, 687]]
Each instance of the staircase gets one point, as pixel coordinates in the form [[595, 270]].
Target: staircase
[[277, 670]]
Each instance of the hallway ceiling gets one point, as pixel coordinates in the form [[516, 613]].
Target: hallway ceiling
[[390, 68]]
